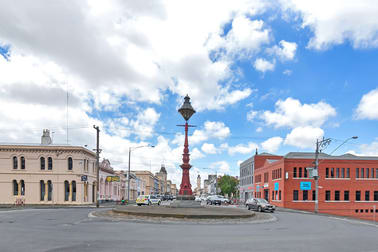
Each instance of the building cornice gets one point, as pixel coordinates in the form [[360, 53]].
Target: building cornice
[[48, 148]]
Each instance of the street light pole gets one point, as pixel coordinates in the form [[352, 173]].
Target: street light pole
[[97, 166], [319, 146], [128, 174]]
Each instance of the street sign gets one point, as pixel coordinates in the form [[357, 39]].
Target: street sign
[[276, 186], [84, 178], [305, 185], [112, 179]]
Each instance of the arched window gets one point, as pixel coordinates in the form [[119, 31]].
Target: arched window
[[22, 163], [49, 163], [70, 165], [22, 187], [42, 159], [73, 191], [49, 190], [42, 190], [66, 190], [15, 163], [15, 187]]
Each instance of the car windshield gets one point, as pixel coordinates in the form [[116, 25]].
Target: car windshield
[[262, 201]]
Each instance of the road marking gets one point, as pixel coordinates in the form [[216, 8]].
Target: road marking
[[354, 221]]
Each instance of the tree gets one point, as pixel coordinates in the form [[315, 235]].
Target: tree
[[228, 184]]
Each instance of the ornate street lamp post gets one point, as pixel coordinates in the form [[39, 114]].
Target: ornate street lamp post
[[185, 192]]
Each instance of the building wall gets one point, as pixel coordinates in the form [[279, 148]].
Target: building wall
[[246, 179], [83, 164], [352, 207], [148, 178]]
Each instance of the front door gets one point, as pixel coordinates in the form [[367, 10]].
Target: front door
[[266, 194]]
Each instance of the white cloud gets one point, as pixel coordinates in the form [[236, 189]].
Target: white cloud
[[304, 137], [222, 167], [251, 115], [263, 65], [286, 50], [369, 149], [291, 113], [141, 50], [259, 129], [239, 162], [196, 154], [211, 130], [272, 144], [241, 148], [209, 148], [368, 106], [144, 124], [245, 37], [287, 72], [337, 21]]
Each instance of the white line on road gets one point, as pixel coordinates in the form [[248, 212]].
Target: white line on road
[[354, 221]]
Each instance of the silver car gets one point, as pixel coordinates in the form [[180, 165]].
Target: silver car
[[260, 205]]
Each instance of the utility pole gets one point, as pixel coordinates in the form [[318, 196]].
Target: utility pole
[[128, 179], [98, 166], [319, 146], [316, 176]]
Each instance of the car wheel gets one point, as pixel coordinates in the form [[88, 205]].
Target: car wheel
[[149, 203], [259, 209], [249, 208], [272, 211], [159, 204]]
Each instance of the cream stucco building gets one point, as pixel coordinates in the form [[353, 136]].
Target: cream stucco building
[[47, 174]]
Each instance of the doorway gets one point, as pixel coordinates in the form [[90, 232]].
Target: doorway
[[266, 194]]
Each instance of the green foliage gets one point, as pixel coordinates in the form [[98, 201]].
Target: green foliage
[[228, 185]]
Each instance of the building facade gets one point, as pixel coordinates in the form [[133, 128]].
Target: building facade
[[348, 184], [247, 170], [246, 179], [47, 174], [110, 183], [149, 179], [174, 189], [162, 177]]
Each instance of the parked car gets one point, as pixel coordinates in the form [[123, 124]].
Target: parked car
[[249, 201], [214, 200], [197, 198], [224, 199], [148, 200], [260, 205]]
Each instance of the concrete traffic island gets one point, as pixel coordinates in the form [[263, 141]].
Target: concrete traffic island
[[185, 213]]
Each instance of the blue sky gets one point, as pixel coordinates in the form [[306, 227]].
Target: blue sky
[[272, 75]]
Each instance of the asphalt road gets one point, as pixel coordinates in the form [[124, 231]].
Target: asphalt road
[[70, 229]]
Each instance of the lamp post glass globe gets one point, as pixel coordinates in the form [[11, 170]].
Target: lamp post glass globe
[[186, 109]]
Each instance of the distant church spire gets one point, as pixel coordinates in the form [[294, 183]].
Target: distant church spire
[[256, 152]]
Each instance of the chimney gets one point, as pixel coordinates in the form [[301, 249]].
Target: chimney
[[46, 139]]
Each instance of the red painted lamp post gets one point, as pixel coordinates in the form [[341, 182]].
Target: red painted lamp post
[[185, 192]]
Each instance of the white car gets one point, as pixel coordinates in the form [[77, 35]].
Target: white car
[[224, 199], [148, 200]]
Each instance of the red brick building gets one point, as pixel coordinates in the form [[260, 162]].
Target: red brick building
[[348, 184]]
